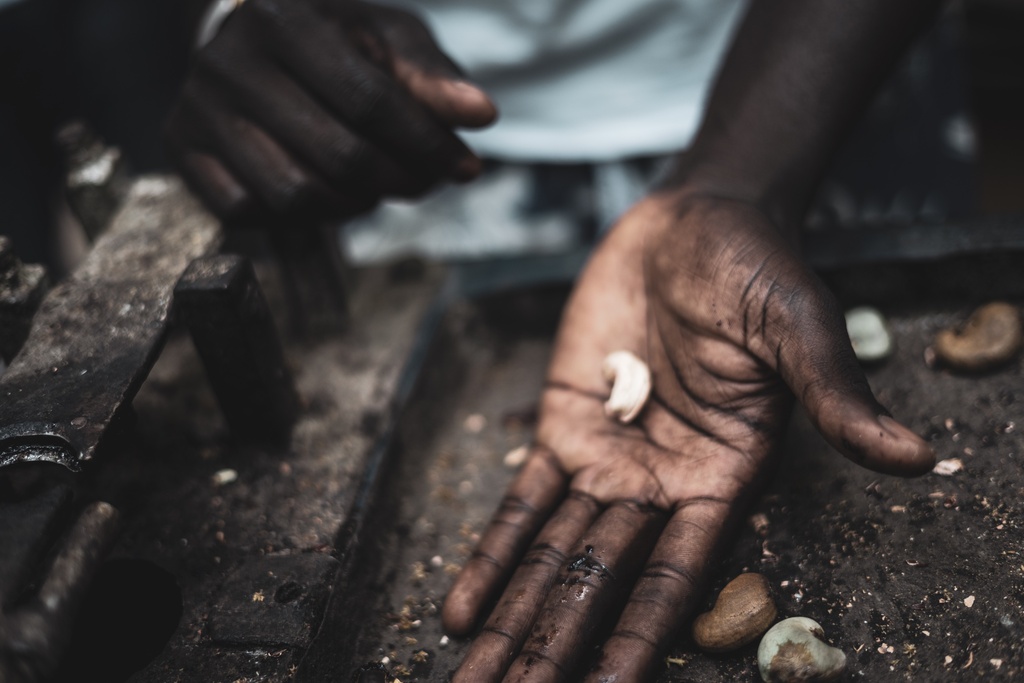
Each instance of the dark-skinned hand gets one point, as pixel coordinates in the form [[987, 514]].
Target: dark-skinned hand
[[318, 109], [733, 326]]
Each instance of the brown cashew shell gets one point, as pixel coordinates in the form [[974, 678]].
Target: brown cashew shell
[[991, 337], [742, 613]]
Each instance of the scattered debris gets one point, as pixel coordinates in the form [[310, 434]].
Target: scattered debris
[[516, 457], [475, 423], [225, 476], [948, 467], [969, 601], [759, 523]]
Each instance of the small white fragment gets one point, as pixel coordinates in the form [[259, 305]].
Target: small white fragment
[[759, 522], [631, 385], [969, 601], [996, 662], [98, 171], [516, 457], [443, 642], [869, 334], [475, 423], [385, 660], [948, 660], [437, 561], [225, 476], [948, 467]]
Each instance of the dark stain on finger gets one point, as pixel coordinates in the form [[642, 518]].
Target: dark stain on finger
[[587, 566]]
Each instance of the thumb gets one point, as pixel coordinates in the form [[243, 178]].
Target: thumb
[[431, 77], [816, 360], [437, 84]]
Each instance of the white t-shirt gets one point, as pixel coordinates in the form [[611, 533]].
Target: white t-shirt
[[585, 80]]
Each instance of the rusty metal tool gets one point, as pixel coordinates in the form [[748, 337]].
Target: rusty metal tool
[[98, 333]]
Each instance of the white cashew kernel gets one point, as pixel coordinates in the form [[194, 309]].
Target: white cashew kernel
[[795, 651], [631, 385]]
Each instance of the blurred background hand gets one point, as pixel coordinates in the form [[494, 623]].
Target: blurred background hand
[[317, 109]]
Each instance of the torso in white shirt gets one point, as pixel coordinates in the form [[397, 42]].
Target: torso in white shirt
[[585, 80]]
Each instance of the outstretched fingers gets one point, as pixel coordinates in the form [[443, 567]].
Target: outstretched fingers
[[591, 583], [665, 595], [513, 616], [529, 502]]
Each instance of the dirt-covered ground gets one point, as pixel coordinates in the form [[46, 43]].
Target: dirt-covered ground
[[917, 580], [310, 563]]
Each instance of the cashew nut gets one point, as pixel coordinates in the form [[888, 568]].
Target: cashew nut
[[990, 337], [631, 385], [743, 611], [795, 650]]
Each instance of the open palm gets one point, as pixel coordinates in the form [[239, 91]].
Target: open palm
[[733, 326]]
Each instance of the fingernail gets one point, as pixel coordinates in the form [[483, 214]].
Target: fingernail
[[895, 429], [468, 87], [921, 454]]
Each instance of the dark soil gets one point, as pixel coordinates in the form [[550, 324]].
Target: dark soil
[[917, 580]]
